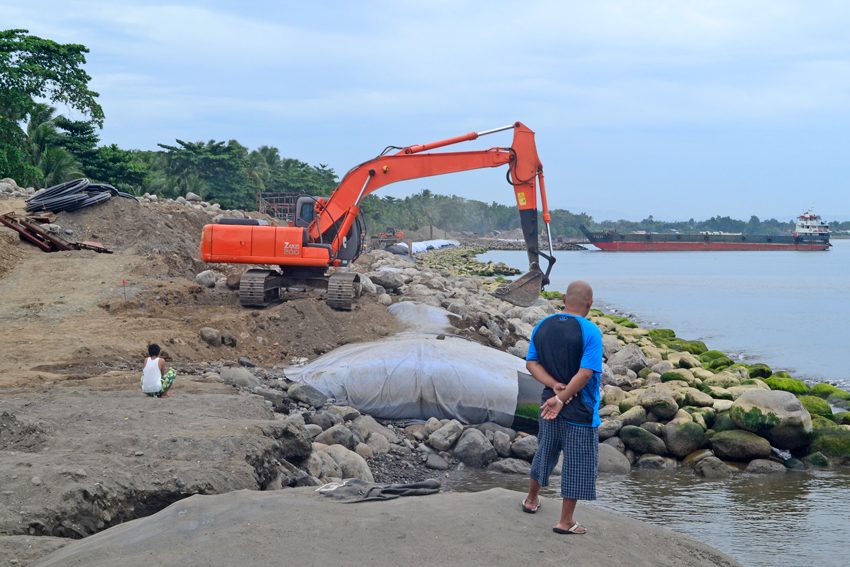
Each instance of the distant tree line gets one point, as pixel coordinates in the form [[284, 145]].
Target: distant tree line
[[40, 148]]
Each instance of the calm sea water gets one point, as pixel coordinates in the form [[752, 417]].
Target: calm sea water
[[782, 520], [787, 309]]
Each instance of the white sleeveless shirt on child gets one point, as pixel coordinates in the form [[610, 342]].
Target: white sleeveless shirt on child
[[152, 377]]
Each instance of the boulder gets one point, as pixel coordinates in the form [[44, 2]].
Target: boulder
[[193, 197], [350, 463], [474, 450], [615, 442], [642, 441], [722, 405], [227, 339], [633, 416], [722, 380], [364, 451], [765, 466], [654, 462], [337, 435], [237, 376], [307, 394], [207, 278], [695, 457], [502, 443], [694, 397], [653, 427], [524, 447], [662, 367], [610, 345], [775, 414], [816, 459], [712, 468], [445, 436], [436, 462], [210, 336], [629, 356], [366, 425], [609, 428], [682, 439], [659, 401], [378, 444], [510, 466], [612, 394], [612, 461], [741, 446], [681, 375], [390, 281]]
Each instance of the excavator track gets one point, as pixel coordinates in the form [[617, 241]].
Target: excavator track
[[259, 288], [343, 289]]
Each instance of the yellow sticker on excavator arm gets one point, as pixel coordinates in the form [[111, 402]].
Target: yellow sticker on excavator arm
[[520, 199]]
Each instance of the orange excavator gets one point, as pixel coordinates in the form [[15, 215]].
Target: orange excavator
[[329, 233]]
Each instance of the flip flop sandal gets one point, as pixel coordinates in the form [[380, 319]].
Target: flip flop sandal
[[530, 509], [576, 528]]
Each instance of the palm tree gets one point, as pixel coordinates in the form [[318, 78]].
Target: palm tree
[[55, 163]]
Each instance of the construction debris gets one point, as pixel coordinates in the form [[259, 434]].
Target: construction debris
[[28, 229]]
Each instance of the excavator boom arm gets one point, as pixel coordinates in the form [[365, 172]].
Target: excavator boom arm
[[338, 213]]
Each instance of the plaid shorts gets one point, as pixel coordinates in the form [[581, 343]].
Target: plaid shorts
[[580, 446]]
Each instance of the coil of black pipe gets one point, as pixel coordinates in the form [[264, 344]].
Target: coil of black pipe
[[72, 196]]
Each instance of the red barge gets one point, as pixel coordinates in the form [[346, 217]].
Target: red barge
[[810, 233]]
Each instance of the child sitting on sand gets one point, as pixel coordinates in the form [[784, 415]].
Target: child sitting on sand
[[156, 377]]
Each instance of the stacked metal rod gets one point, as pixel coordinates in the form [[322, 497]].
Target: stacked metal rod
[[73, 195]]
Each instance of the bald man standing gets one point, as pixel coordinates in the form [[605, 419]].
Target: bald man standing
[[565, 355]]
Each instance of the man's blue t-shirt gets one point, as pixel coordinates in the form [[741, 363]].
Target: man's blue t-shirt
[[562, 344]]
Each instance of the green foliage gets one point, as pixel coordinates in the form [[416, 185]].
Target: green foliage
[[787, 384], [32, 68], [816, 406]]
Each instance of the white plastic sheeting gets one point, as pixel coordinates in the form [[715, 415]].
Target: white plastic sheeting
[[422, 317], [430, 245], [417, 376]]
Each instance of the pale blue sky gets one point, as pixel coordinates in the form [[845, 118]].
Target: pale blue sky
[[671, 108]]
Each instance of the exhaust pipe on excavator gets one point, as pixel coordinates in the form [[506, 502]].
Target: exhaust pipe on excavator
[[525, 290]]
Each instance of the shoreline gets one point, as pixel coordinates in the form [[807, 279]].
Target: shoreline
[[235, 421]]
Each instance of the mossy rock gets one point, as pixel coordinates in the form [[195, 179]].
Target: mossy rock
[[622, 321], [842, 418], [644, 372], [596, 313], [661, 334], [754, 420], [760, 370], [819, 422], [832, 442], [816, 406], [715, 360], [787, 384], [816, 459], [669, 376], [693, 347], [723, 422], [711, 355], [740, 369], [824, 390], [551, 295], [627, 404]]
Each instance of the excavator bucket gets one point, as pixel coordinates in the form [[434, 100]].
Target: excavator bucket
[[523, 291]]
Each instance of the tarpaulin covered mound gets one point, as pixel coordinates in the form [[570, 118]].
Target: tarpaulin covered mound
[[417, 376]]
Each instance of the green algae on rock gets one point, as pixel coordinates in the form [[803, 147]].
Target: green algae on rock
[[816, 406], [782, 381]]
